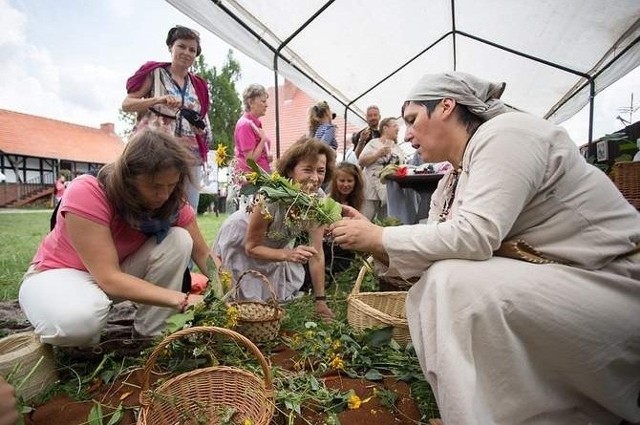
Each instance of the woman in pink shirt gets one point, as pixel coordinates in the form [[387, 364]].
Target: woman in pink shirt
[[127, 234], [251, 142]]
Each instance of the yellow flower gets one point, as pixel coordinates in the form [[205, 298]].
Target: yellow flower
[[275, 176], [336, 344], [247, 422], [337, 362], [232, 317], [266, 215], [354, 402], [296, 341], [251, 177], [226, 279], [221, 155]]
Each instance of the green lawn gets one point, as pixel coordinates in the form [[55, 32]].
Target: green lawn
[[21, 233]]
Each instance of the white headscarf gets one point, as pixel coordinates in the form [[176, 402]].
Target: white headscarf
[[480, 96]]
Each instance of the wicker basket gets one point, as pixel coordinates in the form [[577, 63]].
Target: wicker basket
[[626, 175], [258, 321], [22, 352], [204, 393], [378, 309]]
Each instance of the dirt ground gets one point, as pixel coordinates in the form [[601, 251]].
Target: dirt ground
[[63, 410]]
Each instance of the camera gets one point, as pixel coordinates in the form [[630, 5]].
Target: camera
[[193, 117]]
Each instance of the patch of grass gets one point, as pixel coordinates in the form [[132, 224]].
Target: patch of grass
[[21, 233]]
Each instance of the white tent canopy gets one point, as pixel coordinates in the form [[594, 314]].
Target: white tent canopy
[[373, 51]]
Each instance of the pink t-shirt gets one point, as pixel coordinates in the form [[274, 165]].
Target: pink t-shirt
[[86, 198], [246, 140]]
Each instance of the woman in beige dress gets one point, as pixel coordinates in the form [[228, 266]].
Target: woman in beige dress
[[527, 308]]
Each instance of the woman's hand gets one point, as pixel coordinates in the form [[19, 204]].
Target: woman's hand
[[350, 212], [356, 232], [300, 254], [8, 408], [323, 310], [170, 101], [193, 299], [384, 151]]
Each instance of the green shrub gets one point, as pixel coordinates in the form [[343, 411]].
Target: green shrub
[[205, 200]]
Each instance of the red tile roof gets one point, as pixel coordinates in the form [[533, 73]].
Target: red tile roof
[[30, 135], [294, 118]]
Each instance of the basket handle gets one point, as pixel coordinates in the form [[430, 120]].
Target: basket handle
[[145, 395], [263, 279], [363, 271]]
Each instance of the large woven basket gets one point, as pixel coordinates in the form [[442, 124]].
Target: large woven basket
[[25, 356], [205, 393], [367, 310], [258, 321], [626, 175]]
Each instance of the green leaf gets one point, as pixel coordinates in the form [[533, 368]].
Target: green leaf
[[332, 209], [249, 189], [117, 415], [95, 415], [178, 321], [380, 336], [373, 375], [394, 345], [254, 166]]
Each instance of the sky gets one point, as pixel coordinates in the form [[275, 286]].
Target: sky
[[69, 60]]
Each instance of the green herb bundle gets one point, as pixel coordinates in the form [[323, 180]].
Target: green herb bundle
[[302, 206]]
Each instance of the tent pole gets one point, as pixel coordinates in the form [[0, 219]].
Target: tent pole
[[276, 55], [262, 41], [453, 36]]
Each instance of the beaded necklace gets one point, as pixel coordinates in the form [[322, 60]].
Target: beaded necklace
[[451, 186]]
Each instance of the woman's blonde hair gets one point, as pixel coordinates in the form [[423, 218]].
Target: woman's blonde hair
[[251, 92], [306, 148], [147, 153], [356, 198]]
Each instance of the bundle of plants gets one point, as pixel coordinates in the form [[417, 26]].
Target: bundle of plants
[[204, 349], [302, 207]]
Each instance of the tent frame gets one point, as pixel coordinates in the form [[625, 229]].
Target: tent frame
[[277, 52]]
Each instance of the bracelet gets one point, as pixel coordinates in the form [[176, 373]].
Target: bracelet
[[185, 302], [321, 297]]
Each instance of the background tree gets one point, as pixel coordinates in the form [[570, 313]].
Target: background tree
[[226, 106], [127, 121]]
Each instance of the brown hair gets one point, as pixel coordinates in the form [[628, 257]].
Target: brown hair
[[316, 114], [356, 198], [306, 148], [183, 33], [147, 153], [385, 123]]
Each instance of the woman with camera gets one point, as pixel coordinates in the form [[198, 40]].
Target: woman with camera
[[167, 97]]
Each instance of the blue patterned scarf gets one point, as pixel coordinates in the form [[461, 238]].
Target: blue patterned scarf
[[157, 227]]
